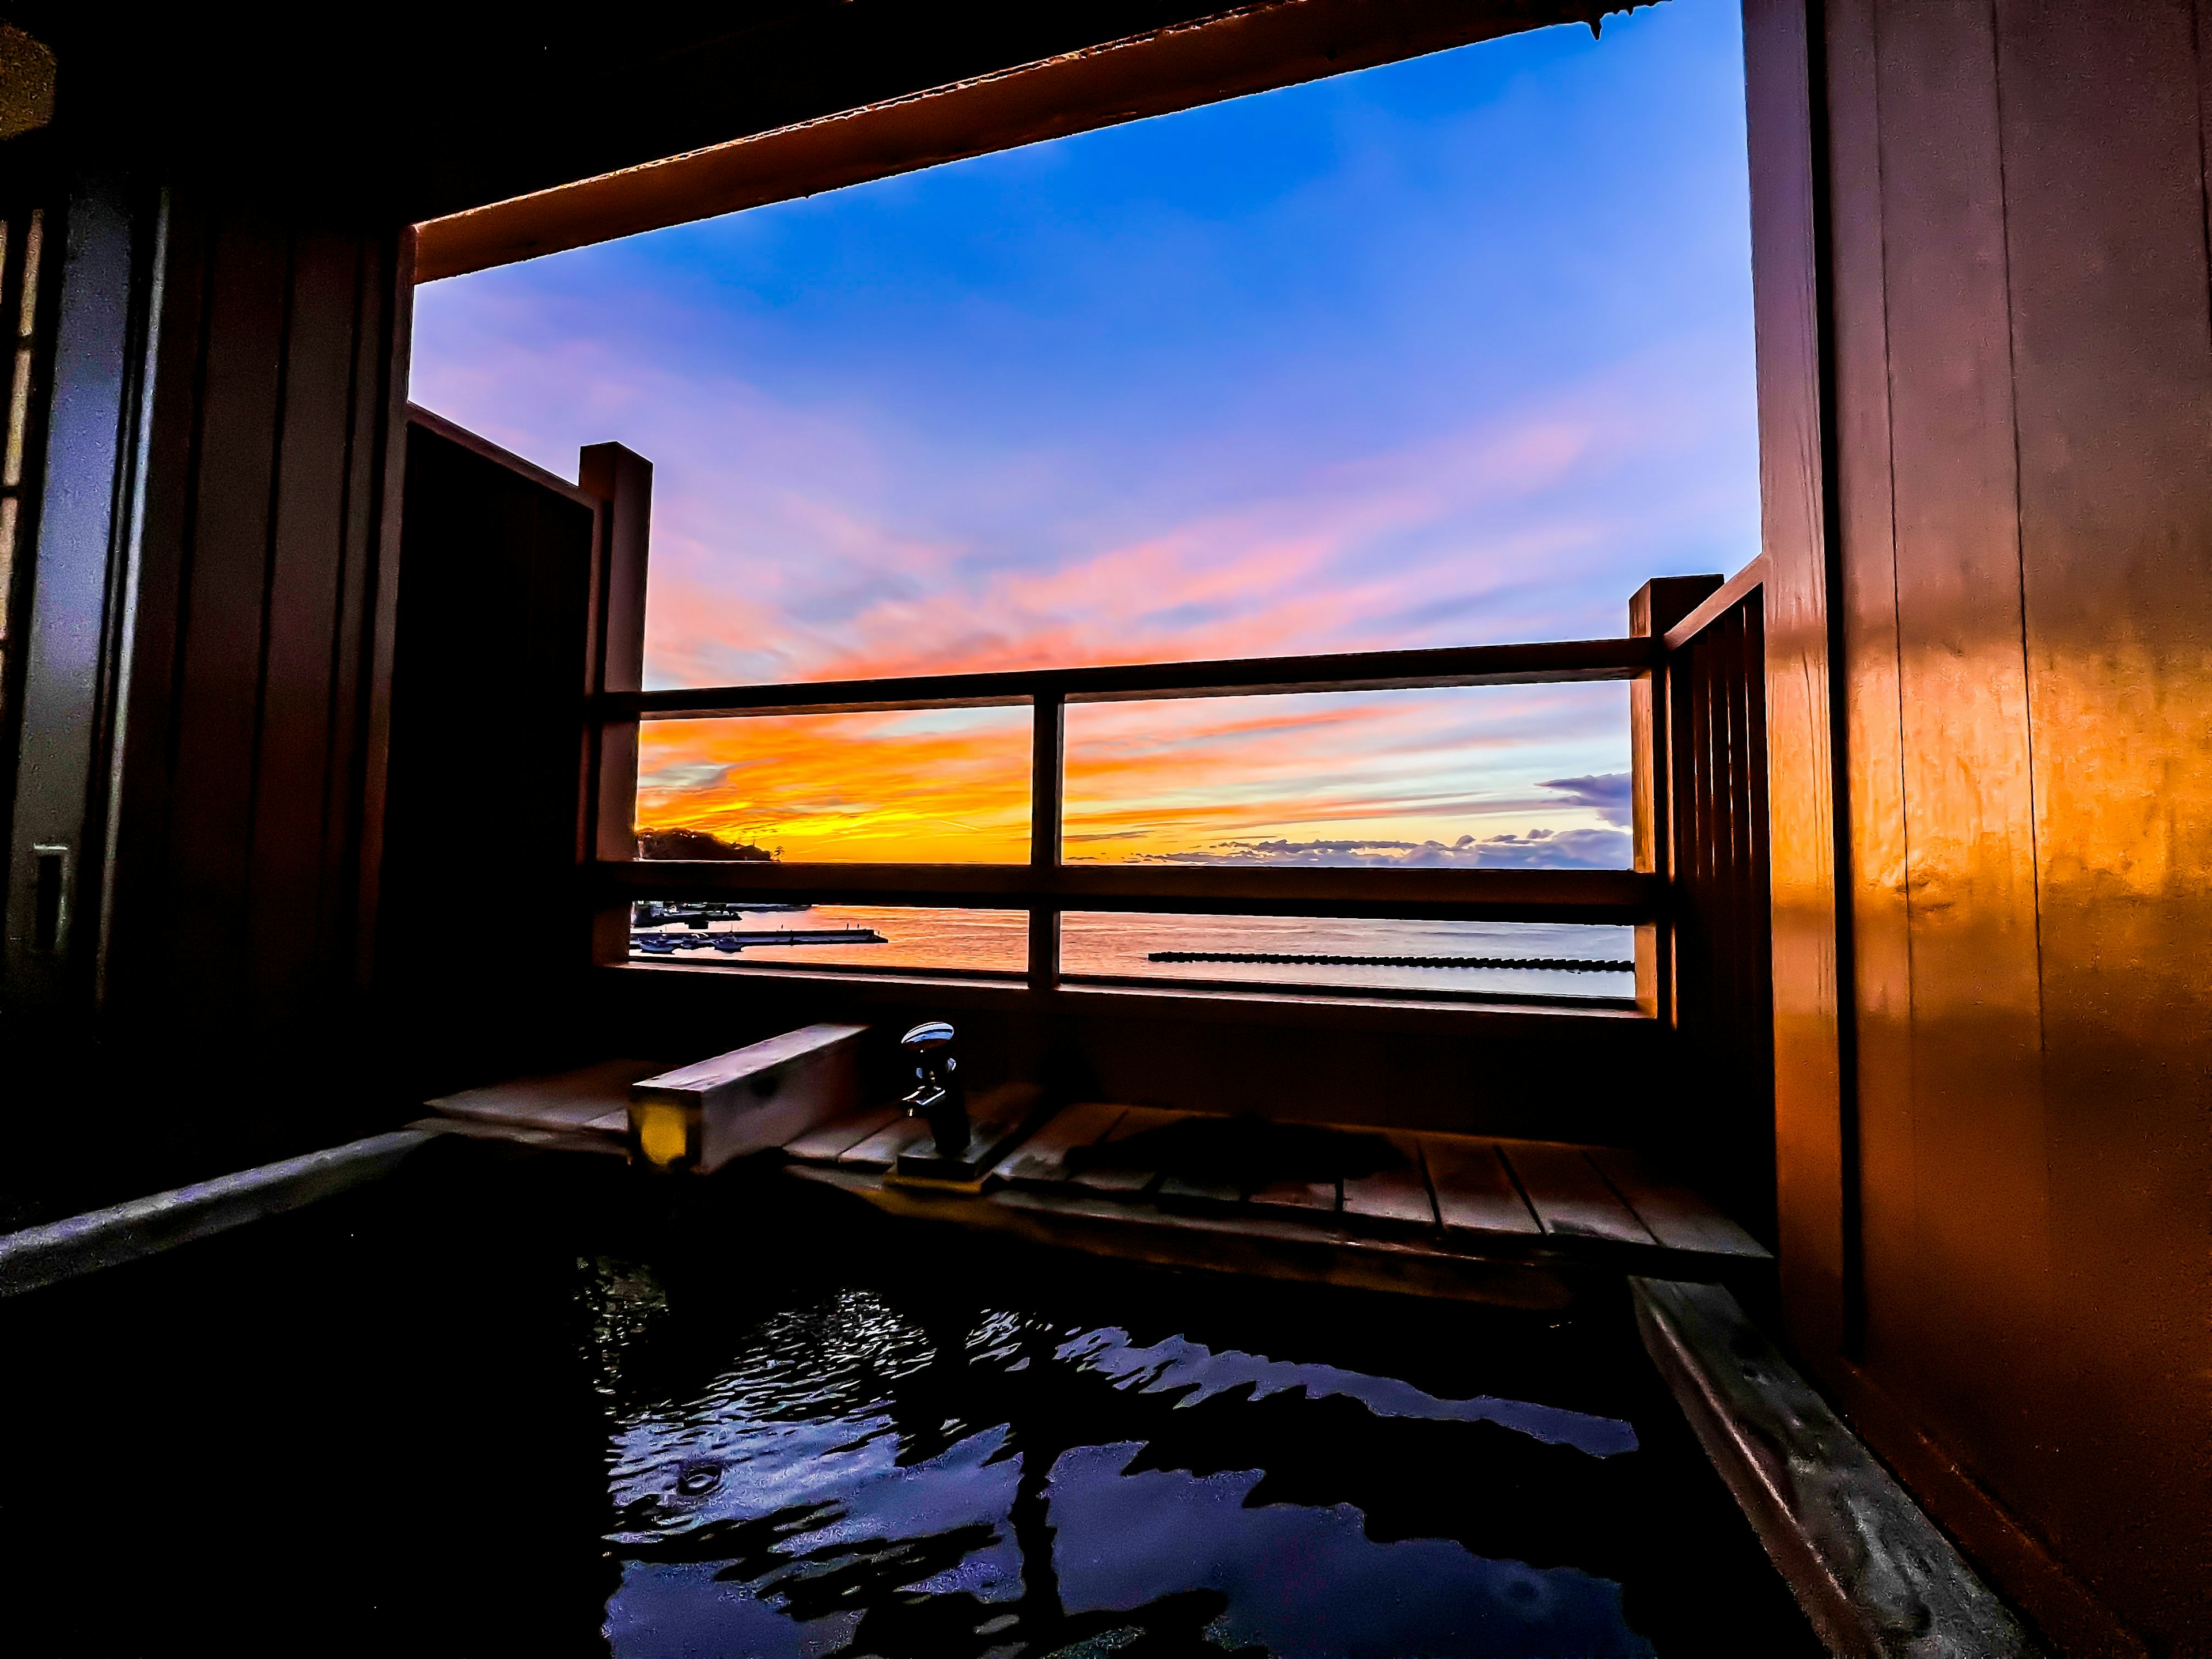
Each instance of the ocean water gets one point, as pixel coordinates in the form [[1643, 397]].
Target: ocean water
[[1114, 946]]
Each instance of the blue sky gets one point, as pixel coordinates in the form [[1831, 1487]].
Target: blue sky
[[1452, 351]]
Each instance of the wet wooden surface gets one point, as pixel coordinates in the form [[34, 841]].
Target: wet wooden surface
[[1676, 1217], [1265, 1244], [1871, 1571], [1475, 1192], [1041, 1160], [1448, 1195], [827, 1142], [1304, 1197], [881, 1150], [1101, 1176], [1572, 1197], [1395, 1194]]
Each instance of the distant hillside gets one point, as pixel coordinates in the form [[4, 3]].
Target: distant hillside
[[697, 844]]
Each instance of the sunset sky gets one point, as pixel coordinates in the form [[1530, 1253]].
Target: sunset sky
[[1449, 352]]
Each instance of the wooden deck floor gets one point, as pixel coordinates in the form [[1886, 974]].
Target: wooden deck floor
[[1439, 1214], [1427, 1212]]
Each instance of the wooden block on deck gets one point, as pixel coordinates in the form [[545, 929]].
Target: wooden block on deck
[[832, 1141], [1568, 1196], [1398, 1194], [749, 1100], [1041, 1160], [1474, 1194], [1677, 1218]]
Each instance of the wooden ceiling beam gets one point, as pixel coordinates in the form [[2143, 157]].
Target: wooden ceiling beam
[[1253, 48]]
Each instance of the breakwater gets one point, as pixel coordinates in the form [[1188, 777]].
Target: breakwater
[[1559, 964]]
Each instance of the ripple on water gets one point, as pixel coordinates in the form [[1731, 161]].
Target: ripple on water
[[851, 1480]]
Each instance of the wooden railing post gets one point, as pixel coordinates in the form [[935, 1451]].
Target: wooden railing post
[[1657, 606], [1047, 756], [623, 481]]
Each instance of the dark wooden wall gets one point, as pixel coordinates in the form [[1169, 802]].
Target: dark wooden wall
[[484, 936], [1495, 1071], [251, 726], [1985, 322], [1722, 1057]]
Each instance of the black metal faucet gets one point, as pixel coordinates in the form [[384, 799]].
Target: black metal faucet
[[940, 1093]]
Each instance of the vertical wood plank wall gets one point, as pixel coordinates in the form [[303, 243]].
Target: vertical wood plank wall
[[1811, 1127], [493, 661], [262, 588], [1723, 1000], [1994, 1062]]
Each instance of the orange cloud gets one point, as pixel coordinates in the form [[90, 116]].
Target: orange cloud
[[1143, 779], [931, 788]]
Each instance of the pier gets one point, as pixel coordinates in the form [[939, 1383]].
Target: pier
[[732, 940]]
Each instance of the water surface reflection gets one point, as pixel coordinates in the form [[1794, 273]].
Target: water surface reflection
[[860, 1476]]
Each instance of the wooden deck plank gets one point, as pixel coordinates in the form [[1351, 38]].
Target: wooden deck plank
[[1398, 1194], [880, 1150], [1570, 1196], [1184, 1188], [1258, 1238], [1108, 1178], [1041, 1160], [1473, 1191], [1677, 1218], [1310, 1199], [1246, 1243], [826, 1143], [550, 1141], [590, 1100]]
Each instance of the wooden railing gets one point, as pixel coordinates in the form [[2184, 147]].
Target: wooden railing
[[1046, 885], [1697, 894]]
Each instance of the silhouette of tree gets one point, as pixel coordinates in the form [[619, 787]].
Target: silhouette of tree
[[697, 844]]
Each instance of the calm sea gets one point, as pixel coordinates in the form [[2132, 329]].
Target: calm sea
[[1120, 946]]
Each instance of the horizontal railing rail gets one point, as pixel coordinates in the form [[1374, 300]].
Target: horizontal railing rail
[[1537, 664]]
